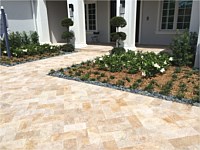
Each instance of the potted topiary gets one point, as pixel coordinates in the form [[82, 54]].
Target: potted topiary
[[118, 37], [67, 35]]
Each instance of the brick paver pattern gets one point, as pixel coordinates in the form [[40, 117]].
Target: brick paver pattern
[[41, 112]]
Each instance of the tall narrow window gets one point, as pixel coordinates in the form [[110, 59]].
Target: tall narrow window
[[168, 14], [90, 16], [184, 14], [176, 14]]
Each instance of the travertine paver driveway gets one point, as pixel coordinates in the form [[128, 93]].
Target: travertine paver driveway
[[43, 112]]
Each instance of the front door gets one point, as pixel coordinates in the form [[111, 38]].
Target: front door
[[137, 21]]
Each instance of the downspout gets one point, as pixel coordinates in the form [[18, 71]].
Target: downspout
[[34, 18]]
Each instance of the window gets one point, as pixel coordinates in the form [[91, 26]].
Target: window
[[90, 17], [176, 14]]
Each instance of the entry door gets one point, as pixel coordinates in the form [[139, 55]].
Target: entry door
[[137, 22], [113, 5]]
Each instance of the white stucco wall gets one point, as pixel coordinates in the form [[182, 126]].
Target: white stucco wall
[[149, 34], [103, 22], [195, 17], [20, 15], [57, 10]]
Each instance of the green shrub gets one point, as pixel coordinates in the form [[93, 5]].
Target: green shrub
[[120, 83], [34, 38], [67, 35], [67, 48], [19, 41], [184, 48], [25, 39], [118, 36], [117, 51], [118, 22], [67, 22], [149, 64]]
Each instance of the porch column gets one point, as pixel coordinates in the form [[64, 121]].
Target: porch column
[[79, 22], [197, 57], [118, 8], [194, 21], [42, 22], [130, 29]]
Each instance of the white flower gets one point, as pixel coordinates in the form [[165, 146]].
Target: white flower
[[171, 59], [162, 70], [144, 74], [94, 61], [15, 54], [165, 62], [142, 57], [24, 50], [101, 58], [106, 65], [156, 65], [4, 52], [51, 47]]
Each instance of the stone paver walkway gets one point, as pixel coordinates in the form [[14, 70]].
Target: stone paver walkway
[[41, 112]]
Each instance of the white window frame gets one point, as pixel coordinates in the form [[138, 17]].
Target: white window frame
[[87, 16], [159, 20]]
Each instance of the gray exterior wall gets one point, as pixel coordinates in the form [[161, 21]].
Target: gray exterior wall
[[149, 29], [20, 15], [103, 19], [57, 10]]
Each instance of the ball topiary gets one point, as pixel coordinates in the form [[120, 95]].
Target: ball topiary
[[67, 22], [118, 22]]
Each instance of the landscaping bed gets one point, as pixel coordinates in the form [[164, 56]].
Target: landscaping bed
[[144, 73], [28, 55], [25, 47]]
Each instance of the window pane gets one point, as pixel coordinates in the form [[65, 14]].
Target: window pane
[[165, 12], [181, 11], [171, 12], [170, 25], [163, 26], [180, 19], [187, 19], [91, 18], [171, 19], [187, 11], [179, 26], [186, 25]]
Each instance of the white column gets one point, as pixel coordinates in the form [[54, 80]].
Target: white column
[[79, 22], [118, 8], [194, 22], [130, 17], [42, 22], [197, 57]]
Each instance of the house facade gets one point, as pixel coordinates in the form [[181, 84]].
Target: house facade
[[148, 21]]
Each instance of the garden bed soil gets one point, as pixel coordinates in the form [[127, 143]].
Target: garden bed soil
[[185, 80], [5, 61]]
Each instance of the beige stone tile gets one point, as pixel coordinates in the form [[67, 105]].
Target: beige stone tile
[[134, 121], [110, 145], [70, 144], [185, 141]]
